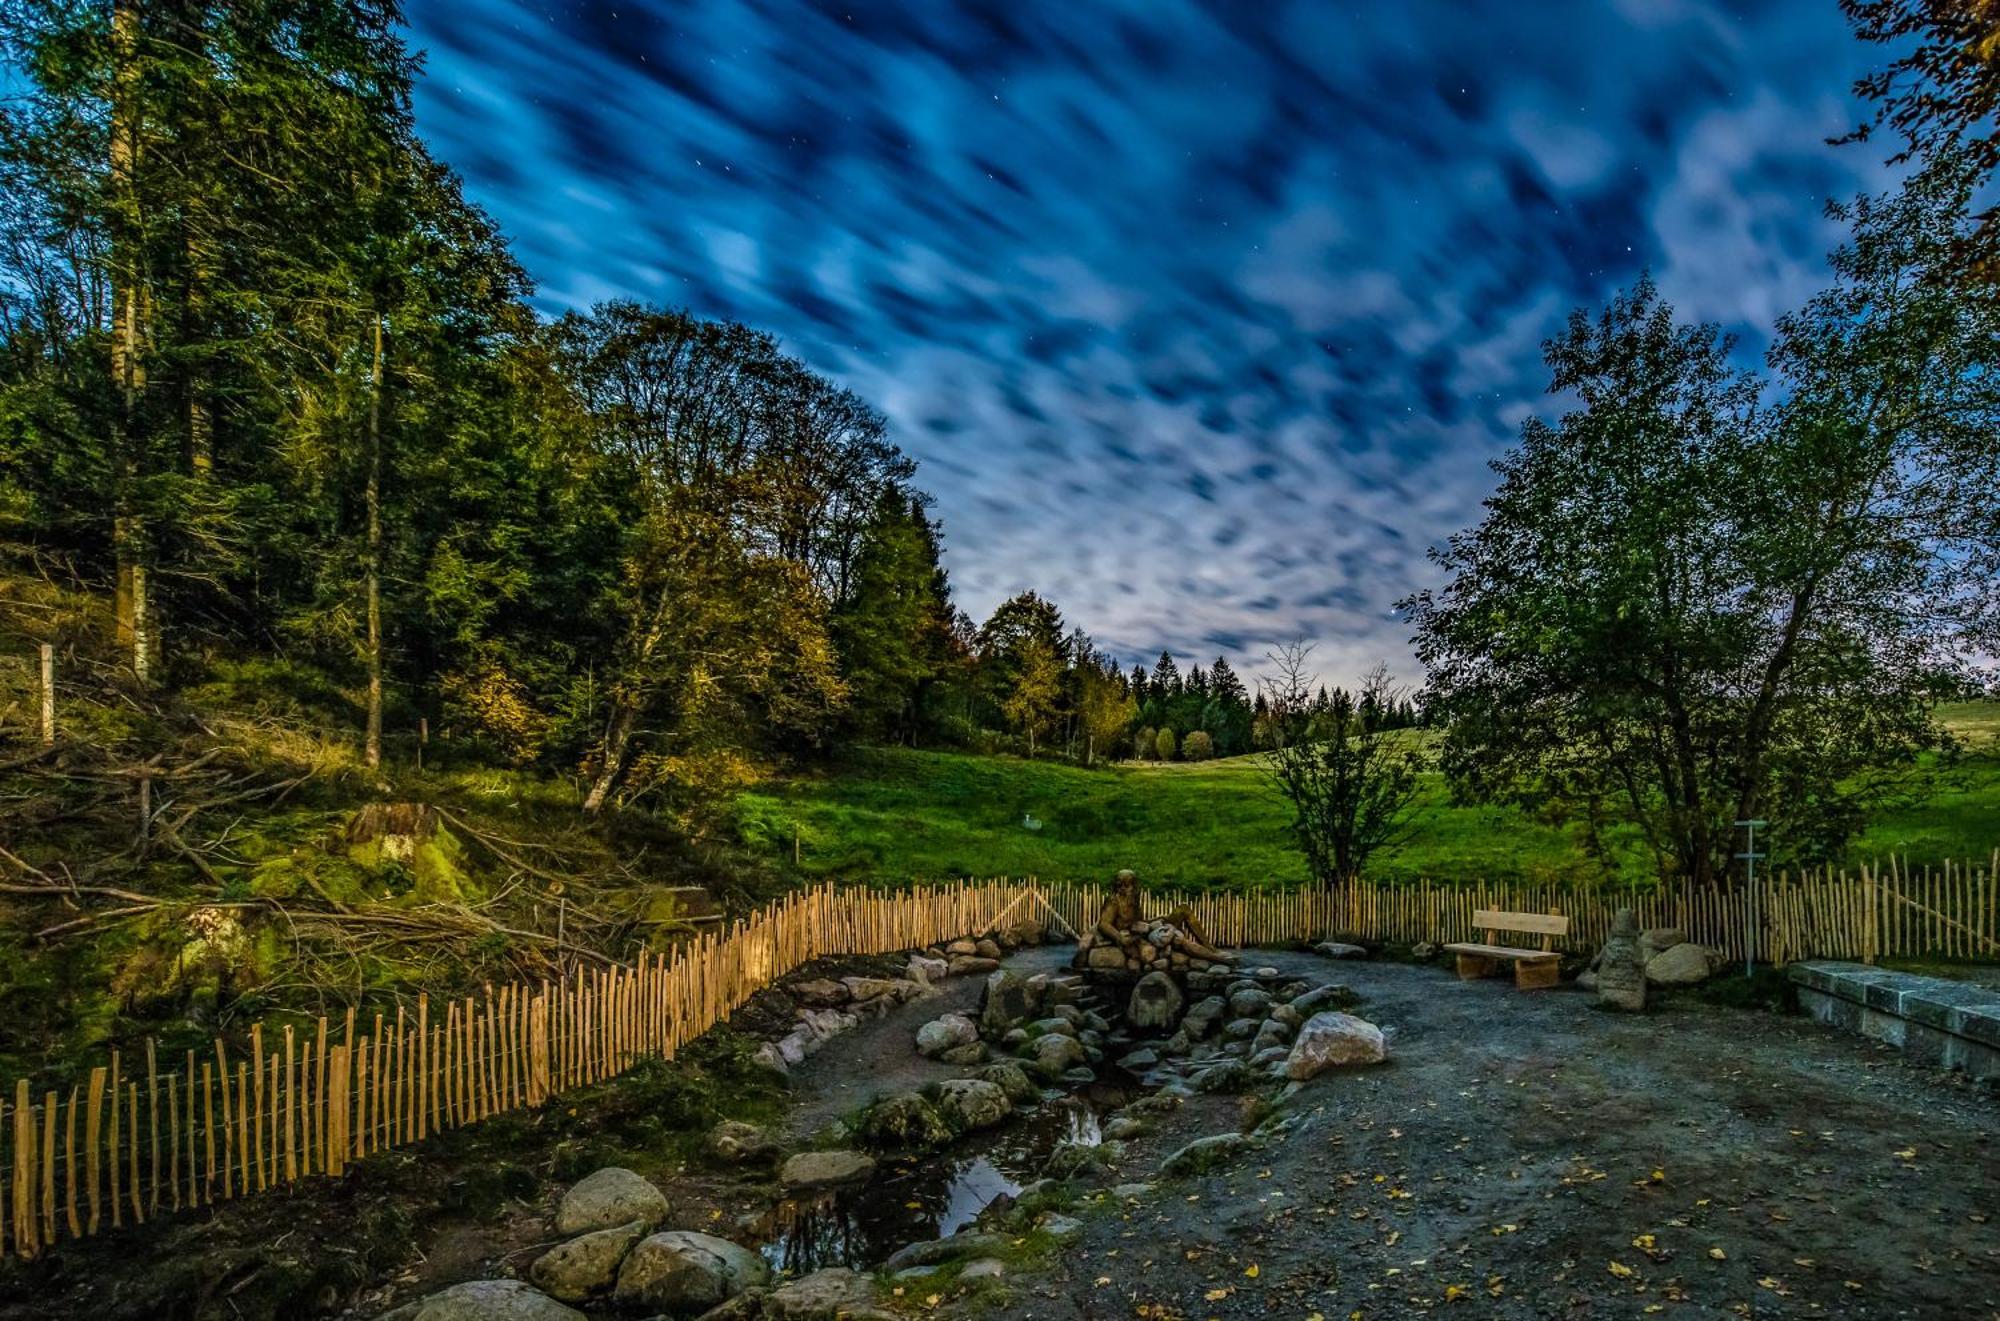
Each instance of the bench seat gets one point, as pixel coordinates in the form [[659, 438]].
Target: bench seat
[[1533, 968]]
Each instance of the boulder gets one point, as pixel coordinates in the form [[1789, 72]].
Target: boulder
[[1223, 1077], [1332, 1038], [938, 1251], [734, 1142], [486, 1300], [833, 1293], [941, 1034], [1272, 1033], [927, 970], [1333, 949], [1203, 1017], [1064, 1024], [904, 1121], [1155, 1004], [1242, 1029], [1330, 996], [817, 1171], [819, 993], [988, 949], [1424, 950], [1104, 958], [1686, 964], [585, 1265], [1249, 1002], [1072, 1160], [958, 948], [683, 1272], [1123, 1128], [970, 1103], [611, 1197], [866, 989], [1004, 1003], [965, 965], [1012, 1080], [1055, 1054], [1620, 976], [1655, 940], [1203, 1154]]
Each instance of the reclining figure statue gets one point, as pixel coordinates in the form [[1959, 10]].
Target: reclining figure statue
[[1124, 924]]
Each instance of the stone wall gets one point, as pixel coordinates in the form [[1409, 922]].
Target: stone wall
[[1935, 1021]]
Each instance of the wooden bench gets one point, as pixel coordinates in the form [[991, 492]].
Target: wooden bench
[[1532, 967]]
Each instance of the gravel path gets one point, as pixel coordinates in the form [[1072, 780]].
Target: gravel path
[[1526, 1154]]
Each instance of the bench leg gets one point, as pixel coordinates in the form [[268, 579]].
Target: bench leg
[[1474, 966], [1533, 974]]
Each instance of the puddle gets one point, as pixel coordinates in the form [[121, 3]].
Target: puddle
[[910, 1201]]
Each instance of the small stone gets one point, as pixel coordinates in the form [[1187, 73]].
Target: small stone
[[938, 1251], [1250, 1002], [1062, 1228], [961, 947], [904, 1121], [985, 1268], [1123, 1128], [1334, 949], [611, 1197], [820, 993], [973, 1052], [736, 1142], [928, 970], [816, 1171], [987, 949], [1010, 1078], [1242, 1029], [1138, 1061], [966, 965], [1330, 996], [1054, 1054], [1223, 1077], [866, 989]]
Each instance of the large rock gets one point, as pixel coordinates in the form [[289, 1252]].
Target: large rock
[[611, 1197], [1249, 1002], [1203, 1154], [866, 990], [938, 1251], [1004, 1003], [1203, 1017], [586, 1265], [1013, 1080], [1155, 1004], [736, 1142], [970, 1103], [1684, 965], [1055, 1054], [820, 993], [929, 971], [834, 1293], [486, 1300], [965, 965], [1331, 996], [1654, 940], [904, 1121], [1620, 980], [941, 1034], [1331, 1039], [684, 1273], [1334, 949], [815, 1171], [1105, 958]]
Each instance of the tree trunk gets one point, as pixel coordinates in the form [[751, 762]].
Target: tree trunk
[[128, 372], [617, 735], [373, 753]]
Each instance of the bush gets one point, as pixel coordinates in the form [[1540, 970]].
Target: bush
[[1199, 746], [1163, 746], [1142, 743]]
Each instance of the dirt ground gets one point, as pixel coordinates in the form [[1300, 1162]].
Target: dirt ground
[[1527, 1154]]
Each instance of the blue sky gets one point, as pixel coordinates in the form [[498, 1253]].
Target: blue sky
[[1202, 319]]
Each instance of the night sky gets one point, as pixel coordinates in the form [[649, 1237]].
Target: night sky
[[1204, 320]]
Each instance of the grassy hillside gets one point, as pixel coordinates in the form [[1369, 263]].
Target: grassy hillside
[[892, 814]]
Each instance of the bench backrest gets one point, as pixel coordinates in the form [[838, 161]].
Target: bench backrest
[[1545, 925]]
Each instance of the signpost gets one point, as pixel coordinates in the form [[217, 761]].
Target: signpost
[[1749, 858]]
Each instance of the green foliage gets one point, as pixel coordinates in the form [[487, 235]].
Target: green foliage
[[1164, 745], [1198, 746]]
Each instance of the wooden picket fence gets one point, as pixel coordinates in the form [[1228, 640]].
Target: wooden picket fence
[[1874, 913], [292, 1102], [300, 1100]]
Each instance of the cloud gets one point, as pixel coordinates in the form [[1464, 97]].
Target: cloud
[[1205, 321]]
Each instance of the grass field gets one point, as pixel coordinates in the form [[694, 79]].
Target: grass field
[[894, 814]]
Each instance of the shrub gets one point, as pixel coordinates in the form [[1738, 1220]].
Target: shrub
[[1199, 746], [1163, 746], [1142, 743]]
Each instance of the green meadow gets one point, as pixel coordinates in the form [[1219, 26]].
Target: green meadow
[[885, 815]]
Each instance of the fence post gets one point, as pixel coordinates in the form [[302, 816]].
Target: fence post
[[48, 694]]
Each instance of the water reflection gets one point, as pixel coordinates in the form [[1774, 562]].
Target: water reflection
[[920, 1198]]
